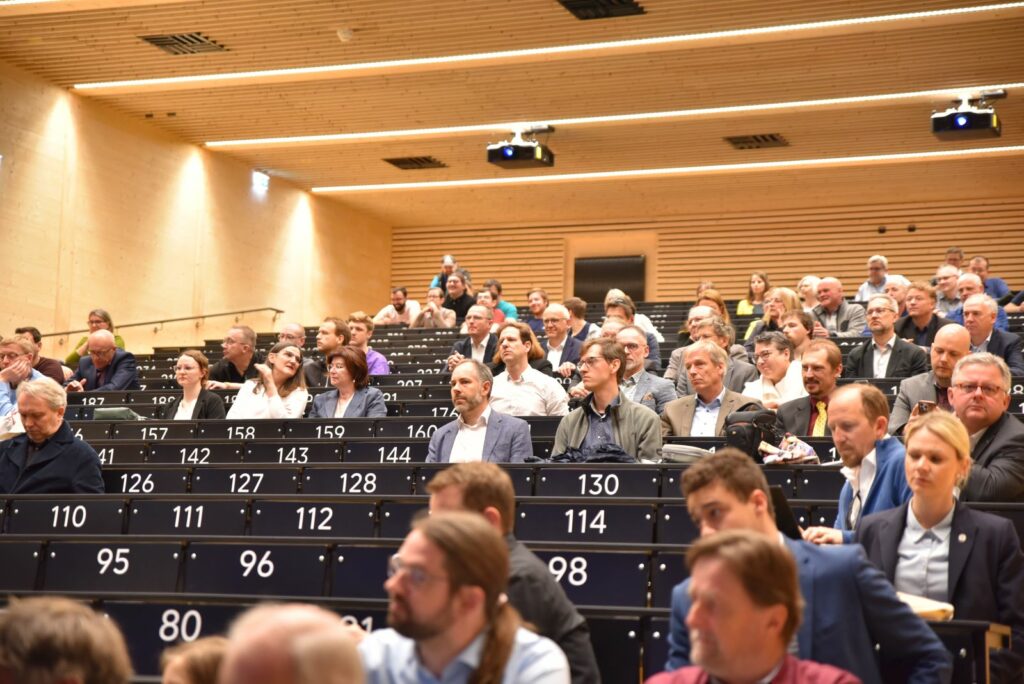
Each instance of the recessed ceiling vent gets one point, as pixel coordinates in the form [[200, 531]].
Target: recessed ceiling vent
[[601, 9], [414, 163], [757, 142], [184, 43]]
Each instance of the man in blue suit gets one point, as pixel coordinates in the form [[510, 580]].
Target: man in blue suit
[[479, 433], [561, 348], [849, 605], [106, 368]]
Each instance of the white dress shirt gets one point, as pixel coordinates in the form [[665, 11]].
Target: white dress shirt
[[554, 355], [882, 355], [861, 478], [533, 394], [477, 350], [252, 402], [469, 442], [705, 416], [923, 566]]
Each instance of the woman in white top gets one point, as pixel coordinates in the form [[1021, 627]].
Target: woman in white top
[[192, 371], [780, 377], [279, 391], [352, 396]]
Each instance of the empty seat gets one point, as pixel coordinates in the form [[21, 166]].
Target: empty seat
[[19, 566], [616, 644], [187, 517], [784, 477], [119, 567], [429, 409], [395, 518], [335, 430], [655, 631], [599, 522], [667, 570], [824, 447], [255, 569], [386, 451], [359, 572], [675, 526], [820, 483], [312, 519], [61, 516], [245, 480], [380, 481], [291, 452], [824, 515], [152, 431], [598, 481], [594, 578], [522, 477], [543, 427], [145, 480], [195, 453]]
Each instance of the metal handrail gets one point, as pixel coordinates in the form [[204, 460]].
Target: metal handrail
[[277, 312]]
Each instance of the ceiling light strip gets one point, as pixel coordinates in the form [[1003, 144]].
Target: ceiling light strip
[[338, 69], [674, 171], [613, 118]]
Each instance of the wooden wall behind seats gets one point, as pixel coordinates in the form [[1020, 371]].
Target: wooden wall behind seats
[[100, 210], [789, 243]]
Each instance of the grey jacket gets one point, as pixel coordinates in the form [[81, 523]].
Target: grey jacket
[[653, 392], [507, 440], [737, 374], [920, 387], [366, 403], [850, 319], [637, 429]]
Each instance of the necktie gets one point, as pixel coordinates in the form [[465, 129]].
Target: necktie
[[854, 516], [819, 423]]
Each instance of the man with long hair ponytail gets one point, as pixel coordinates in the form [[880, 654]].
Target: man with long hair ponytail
[[449, 618]]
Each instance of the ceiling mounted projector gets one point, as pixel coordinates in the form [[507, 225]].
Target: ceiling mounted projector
[[521, 153], [972, 118]]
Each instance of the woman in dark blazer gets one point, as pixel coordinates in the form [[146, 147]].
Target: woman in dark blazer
[[192, 372], [350, 378], [984, 578]]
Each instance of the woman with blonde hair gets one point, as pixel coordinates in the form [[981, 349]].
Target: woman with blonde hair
[[777, 301]]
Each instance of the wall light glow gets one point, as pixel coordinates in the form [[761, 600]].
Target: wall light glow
[[260, 183]]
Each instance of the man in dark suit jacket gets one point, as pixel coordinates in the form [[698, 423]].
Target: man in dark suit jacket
[[980, 398], [106, 368], [904, 359], [47, 459], [481, 344], [921, 322], [833, 316], [979, 313], [849, 606], [821, 366], [561, 348], [505, 439]]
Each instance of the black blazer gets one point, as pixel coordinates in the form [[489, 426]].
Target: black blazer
[[997, 473], [986, 572], [794, 417], [541, 364], [208, 405], [906, 330], [570, 352], [121, 374], [65, 465], [1008, 346], [465, 347], [905, 360]]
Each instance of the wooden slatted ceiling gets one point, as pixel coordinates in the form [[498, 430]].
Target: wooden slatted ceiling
[[101, 45], [788, 245]]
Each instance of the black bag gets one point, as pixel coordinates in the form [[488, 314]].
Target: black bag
[[745, 430]]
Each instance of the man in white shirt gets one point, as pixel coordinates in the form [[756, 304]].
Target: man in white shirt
[[400, 310], [878, 273], [780, 378], [480, 344], [563, 350], [885, 355], [522, 390]]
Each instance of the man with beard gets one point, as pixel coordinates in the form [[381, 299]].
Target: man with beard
[[820, 367], [884, 355], [400, 310], [537, 300], [449, 618]]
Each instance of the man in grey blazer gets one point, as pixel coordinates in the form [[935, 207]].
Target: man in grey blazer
[[820, 368], [737, 373], [638, 385], [703, 414], [479, 433], [834, 316], [952, 342]]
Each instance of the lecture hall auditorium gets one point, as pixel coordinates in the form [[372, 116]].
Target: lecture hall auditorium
[[194, 165]]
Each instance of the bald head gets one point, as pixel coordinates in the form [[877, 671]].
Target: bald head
[[611, 327], [292, 333], [830, 293], [101, 339], [952, 342]]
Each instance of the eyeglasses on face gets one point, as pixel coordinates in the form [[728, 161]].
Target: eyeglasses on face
[[415, 575], [990, 391], [589, 361]]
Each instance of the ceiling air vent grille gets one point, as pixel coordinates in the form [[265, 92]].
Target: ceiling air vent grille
[[757, 142], [414, 163], [601, 9], [184, 43]]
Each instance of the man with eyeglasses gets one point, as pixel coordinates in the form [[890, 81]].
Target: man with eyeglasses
[[878, 276], [433, 314], [952, 343], [481, 343], [946, 297], [968, 285], [238, 363], [637, 384], [293, 333], [781, 379], [16, 356], [448, 617], [885, 355], [562, 349], [980, 398], [106, 368]]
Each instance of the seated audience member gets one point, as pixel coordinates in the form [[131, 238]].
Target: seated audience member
[[479, 433], [808, 291], [448, 266], [914, 544], [400, 310], [433, 314], [238, 363], [834, 316], [485, 298], [15, 368], [896, 287], [331, 336], [480, 345], [360, 327], [624, 308], [780, 378], [675, 362], [535, 353], [537, 301], [507, 307], [979, 314], [1016, 305], [609, 331], [637, 384], [106, 368], [777, 301], [561, 349], [737, 373], [757, 290], [952, 342], [352, 396], [858, 417], [946, 297], [980, 398], [967, 285], [449, 619], [579, 328], [798, 326], [54, 640], [921, 322], [278, 392], [955, 257], [192, 373], [193, 662], [996, 288], [878, 275], [744, 613], [713, 299], [99, 319], [608, 421], [520, 387], [639, 319], [884, 354], [458, 298], [820, 368], [487, 489], [703, 413], [51, 368], [703, 285], [293, 333], [849, 607], [270, 644], [47, 458]]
